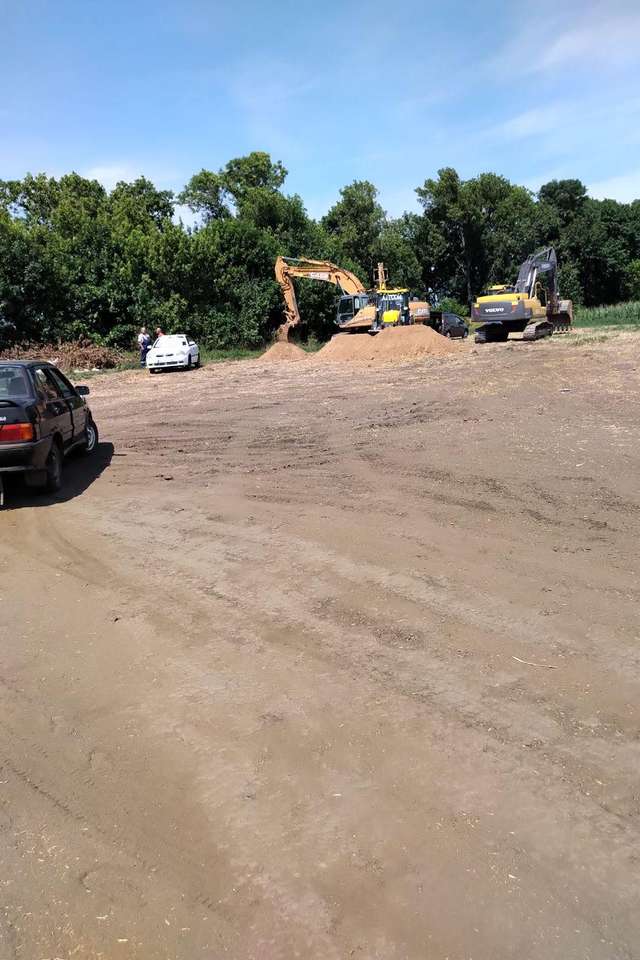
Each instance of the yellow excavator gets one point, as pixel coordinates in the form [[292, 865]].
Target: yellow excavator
[[395, 306], [532, 306], [357, 309], [354, 296]]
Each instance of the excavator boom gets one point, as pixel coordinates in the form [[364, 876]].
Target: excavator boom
[[286, 268]]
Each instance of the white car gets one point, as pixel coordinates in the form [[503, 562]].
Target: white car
[[172, 352]]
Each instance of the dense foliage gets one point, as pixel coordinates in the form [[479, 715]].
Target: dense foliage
[[78, 261]]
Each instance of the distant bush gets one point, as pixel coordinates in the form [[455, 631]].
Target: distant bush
[[449, 305], [80, 355]]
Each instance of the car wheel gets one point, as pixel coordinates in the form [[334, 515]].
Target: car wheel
[[53, 469], [91, 437], [465, 334], [189, 363], [197, 363]]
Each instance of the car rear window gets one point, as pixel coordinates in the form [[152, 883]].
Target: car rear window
[[13, 383]]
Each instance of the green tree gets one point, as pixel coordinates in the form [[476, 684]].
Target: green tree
[[600, 242], [76, 260], [205, 194], [255, 171], [569, 282], [478, 231], [632, 280], [356, 221], [566, 197]]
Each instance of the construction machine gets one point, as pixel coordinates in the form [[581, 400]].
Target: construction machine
[[532, 306], [357, 309], [354, 296], [396, 306]]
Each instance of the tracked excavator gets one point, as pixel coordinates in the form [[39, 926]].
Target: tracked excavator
[[353, 298], [357, 309], [532, 306]]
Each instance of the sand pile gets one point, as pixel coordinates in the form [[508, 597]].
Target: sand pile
[[283, 351], [394, 345]]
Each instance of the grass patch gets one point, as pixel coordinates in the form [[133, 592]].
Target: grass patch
[[79, 376], [618, 315], [209, 355], [587, 339]]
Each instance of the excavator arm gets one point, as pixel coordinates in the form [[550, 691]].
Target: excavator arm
[[287, 268], [538, 263]]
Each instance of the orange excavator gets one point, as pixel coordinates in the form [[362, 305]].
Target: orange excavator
[[353, 298], [357, 308]]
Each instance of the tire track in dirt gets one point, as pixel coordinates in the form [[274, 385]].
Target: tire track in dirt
[[305, 723]]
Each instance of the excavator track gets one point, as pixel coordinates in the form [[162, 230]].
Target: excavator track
[[537, 330]]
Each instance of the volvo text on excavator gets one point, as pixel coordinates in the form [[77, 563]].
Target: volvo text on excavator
[[531, 307]]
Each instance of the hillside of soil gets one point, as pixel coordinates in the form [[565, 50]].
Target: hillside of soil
[[281, 350], [395, 345]]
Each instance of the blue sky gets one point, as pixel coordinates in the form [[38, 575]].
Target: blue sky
[[338, 91]]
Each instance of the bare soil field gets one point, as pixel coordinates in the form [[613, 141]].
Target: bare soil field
[[325, 661]]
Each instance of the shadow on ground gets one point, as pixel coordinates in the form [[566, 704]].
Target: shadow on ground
[[78, 475]]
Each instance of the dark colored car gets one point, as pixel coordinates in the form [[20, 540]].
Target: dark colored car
[[43, 418], [451, 325]]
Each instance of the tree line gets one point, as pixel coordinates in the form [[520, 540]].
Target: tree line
[[78, 261]]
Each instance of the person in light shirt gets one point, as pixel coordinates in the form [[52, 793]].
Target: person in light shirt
[[144, 343]]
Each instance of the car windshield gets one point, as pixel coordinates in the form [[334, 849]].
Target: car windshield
[[13, 383], [169, 342]]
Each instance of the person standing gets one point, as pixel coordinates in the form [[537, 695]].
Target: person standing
[[159, 333], [144, 343]]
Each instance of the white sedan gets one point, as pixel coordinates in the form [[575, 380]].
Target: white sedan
[[173, 352]]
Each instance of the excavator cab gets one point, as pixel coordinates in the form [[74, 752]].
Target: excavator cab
[[392, 309], [349, 305], [498, 289]]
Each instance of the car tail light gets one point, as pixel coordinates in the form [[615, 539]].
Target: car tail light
[[16, 432]]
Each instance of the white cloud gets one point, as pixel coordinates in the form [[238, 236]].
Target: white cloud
[[574, 36], [534, 183], [397, 202], [111, 174], [532, 123], [271, 96], [624, 188], [601, 36], [183, 213]]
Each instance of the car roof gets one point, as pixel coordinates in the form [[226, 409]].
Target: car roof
[[25, 363]]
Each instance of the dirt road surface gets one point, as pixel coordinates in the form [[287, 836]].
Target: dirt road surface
[[326, 663]]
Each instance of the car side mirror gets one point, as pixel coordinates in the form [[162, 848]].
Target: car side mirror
[[82, 391]]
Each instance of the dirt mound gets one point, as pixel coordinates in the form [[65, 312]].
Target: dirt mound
[[79, 355], [283, 351], [395, 345]]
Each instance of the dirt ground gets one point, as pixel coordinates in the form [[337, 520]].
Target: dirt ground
[[330, 663]]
